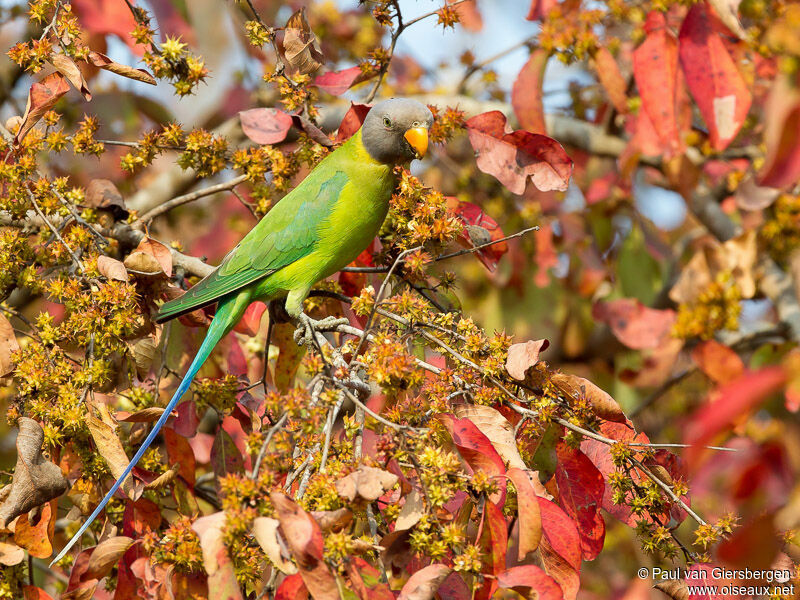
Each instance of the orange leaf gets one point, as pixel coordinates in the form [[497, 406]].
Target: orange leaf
[[42, 96]]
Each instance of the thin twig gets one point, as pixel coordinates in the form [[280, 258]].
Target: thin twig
[[186, 198], [399, 28], [450, 254], [484, 63]]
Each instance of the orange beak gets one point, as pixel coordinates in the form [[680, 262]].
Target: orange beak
[[418, 138]]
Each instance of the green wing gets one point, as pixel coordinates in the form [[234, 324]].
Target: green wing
[[286, 234]]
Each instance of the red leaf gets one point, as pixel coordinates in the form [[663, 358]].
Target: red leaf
[[513, 157], [480, 229], [560, 532], [530, 517], [107, 17], [718, 88], [352, 121], [140, 517], [600, 455], [634, 324], [655, 68], [42, 96], [718, 361], [251, 319], [265, 125], [539, 9], [180, 451], [526, 94], [530, 579], [423, 584], [304, 538], [782, 167], [611, 79], [292, 588], [731, 402], [493, 542], [737, 550], [560, 548], [581, 488], [338, 82], [474, 446]]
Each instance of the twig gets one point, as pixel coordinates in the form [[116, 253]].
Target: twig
[[484, 63], [52, 228], [185, 199], [263, 450], [380, 294], [450, 254], [400, 27]]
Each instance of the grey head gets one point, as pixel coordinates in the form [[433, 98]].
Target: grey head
[[396, 130]]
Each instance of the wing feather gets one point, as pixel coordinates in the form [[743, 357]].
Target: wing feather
[[286, 234]]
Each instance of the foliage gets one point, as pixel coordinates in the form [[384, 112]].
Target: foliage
[[422, 450]]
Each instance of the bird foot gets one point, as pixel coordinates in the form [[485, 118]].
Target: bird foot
[[304, 334]]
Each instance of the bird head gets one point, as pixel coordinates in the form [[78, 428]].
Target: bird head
[[396, 130]]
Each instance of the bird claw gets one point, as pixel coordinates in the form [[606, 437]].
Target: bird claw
[[304, 334]]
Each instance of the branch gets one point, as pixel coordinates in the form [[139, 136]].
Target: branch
[[185, 199]]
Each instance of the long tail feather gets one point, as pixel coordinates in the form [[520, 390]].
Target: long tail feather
[[225, 318]]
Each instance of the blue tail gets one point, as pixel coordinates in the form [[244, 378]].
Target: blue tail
[[228, 313]]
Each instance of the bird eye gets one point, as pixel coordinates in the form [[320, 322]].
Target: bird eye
[[415, 124], [387, 122]]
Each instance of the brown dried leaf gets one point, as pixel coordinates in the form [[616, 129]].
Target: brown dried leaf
[[158, 251], [144, 351], [411, 512], [42, 96], [695, 277], [677, 589], [111, 268], [522, 357], [368, 483], [67, 67], [164, 479], [35, 480], [146, 415], [603, 405], [300, 46], [496, 428], [102, 61], [110, 448], [423, 584], [141, 263], [8, 345], [103, 194], [737, 256], [107, 554], [332, 520], [265, 531]]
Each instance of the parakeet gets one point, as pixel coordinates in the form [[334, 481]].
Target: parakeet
[[315, 230]]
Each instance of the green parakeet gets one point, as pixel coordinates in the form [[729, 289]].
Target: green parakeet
[[315, 230]]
